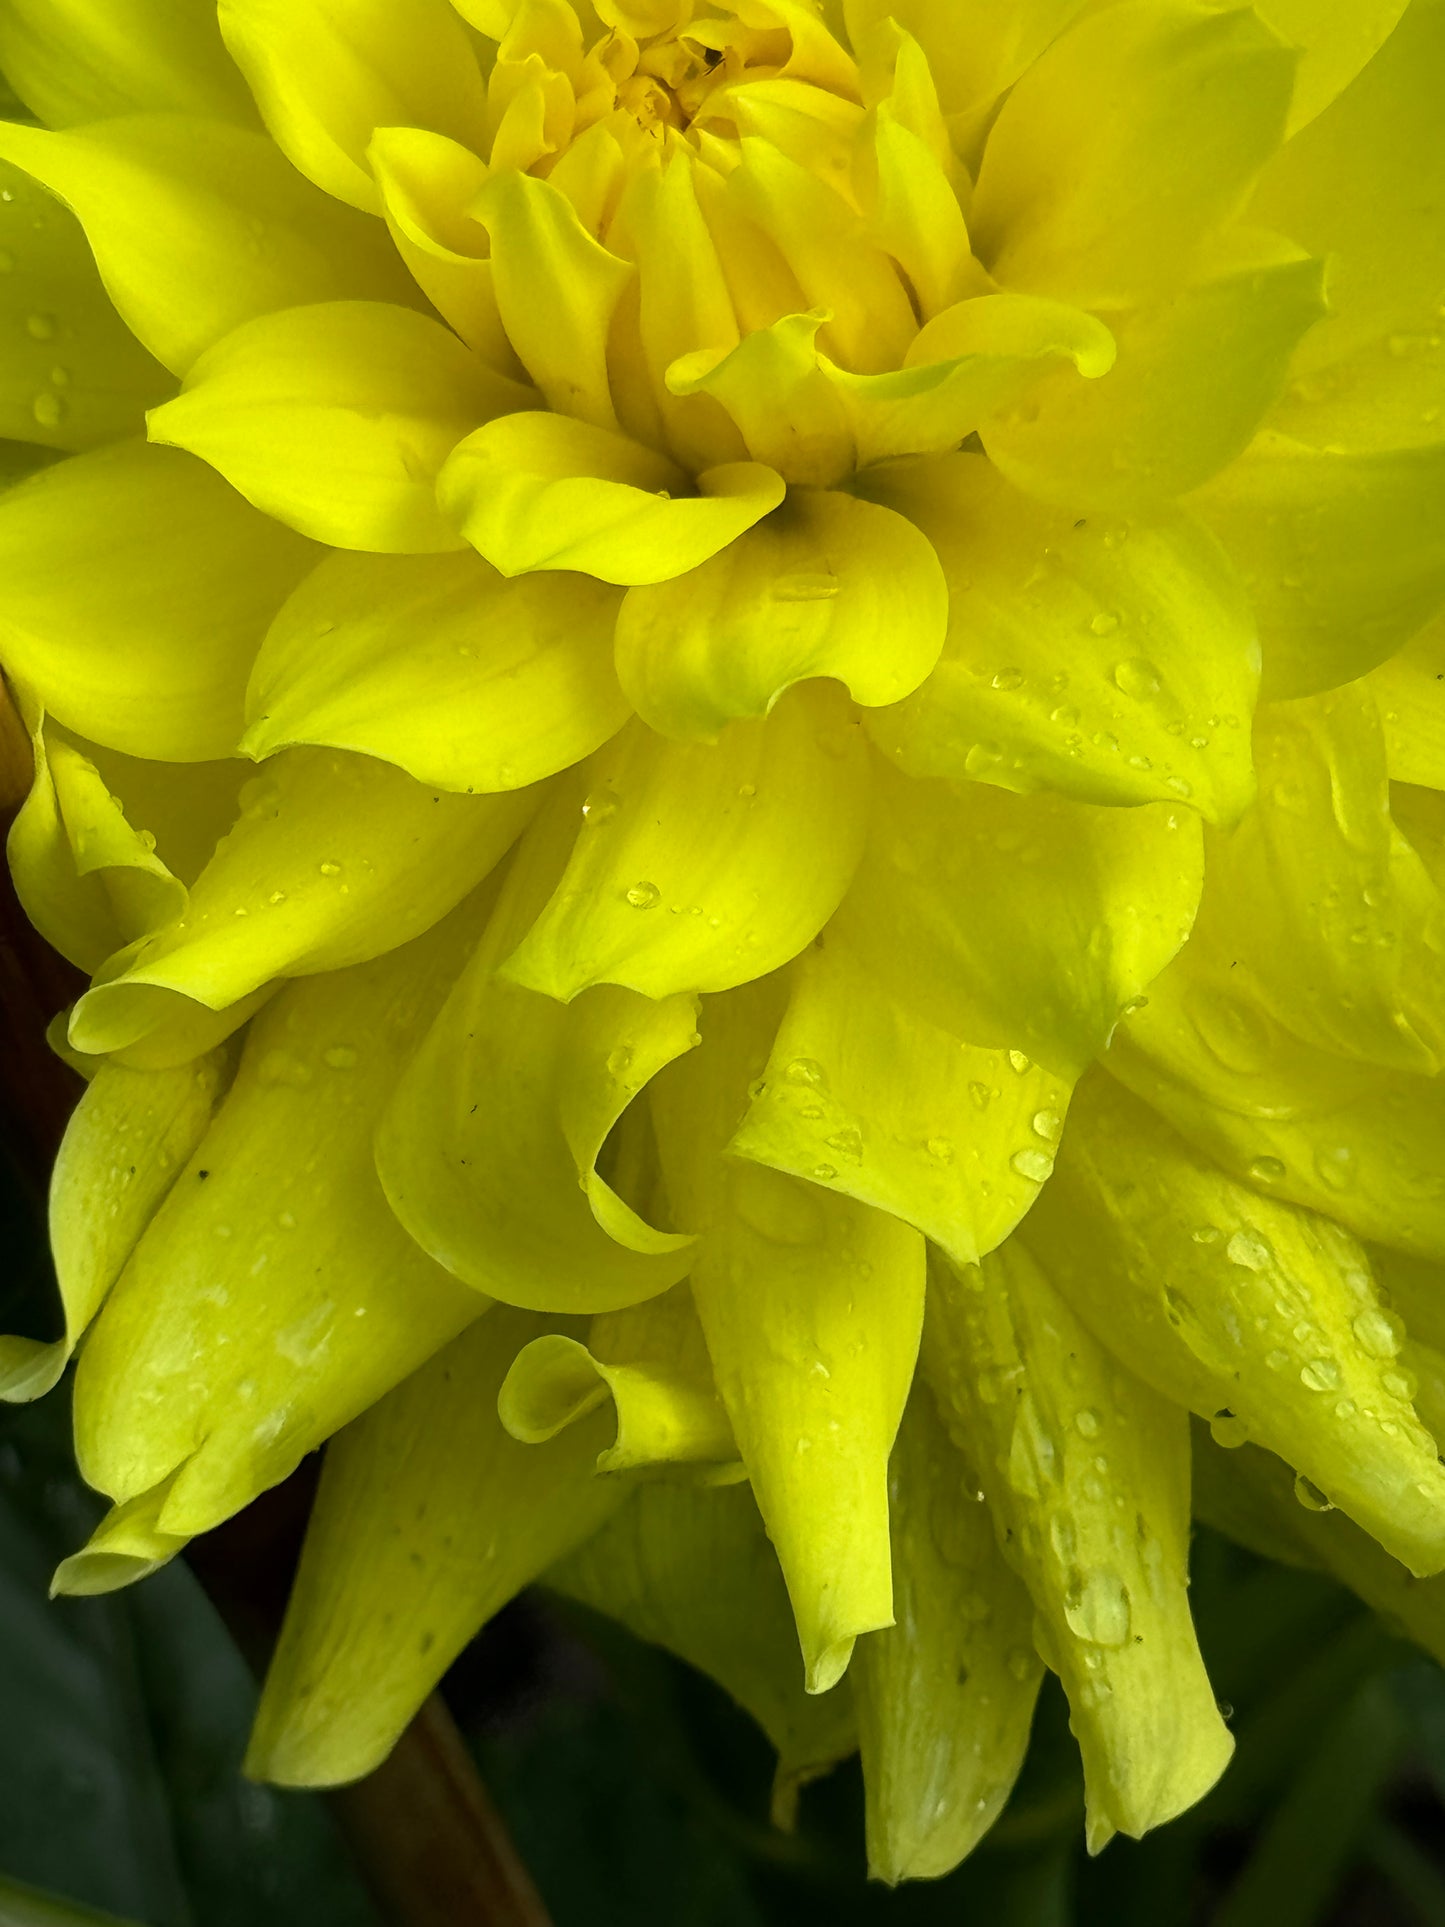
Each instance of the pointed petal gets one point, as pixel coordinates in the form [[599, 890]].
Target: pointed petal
[[441, 666], [1194, 377], [544, 492], [333, 859], [1124, 146], [867, 1099], [429, 1518], [651, 1361], [126, 1143], [197, 227], [488, 1152], [82, 622], [1020, 922], [986, 354], [1125, 672], [1062, 1438], [1343, 555], [337, 418], [806, 593], [273, 1296], [1228, 1302], [945, 1698], [73, 376], [701, 866], [327, 73], [84, 60], [812, 1306], [692, 1570], [975, 48], [128, 1545]]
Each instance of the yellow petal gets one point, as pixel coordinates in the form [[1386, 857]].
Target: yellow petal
[[1343, 555], [128, 1545], [488, 1152], [273, 1295], [692, 1570], [1020, 922], [777, 391], [1362, 183], [327, 73], [334, 859], [1314, 904], [542, 492], [867, 1099], [427, 183], [556, 289], [1409, 692], [86, 877], [1358, 1144], [870, 319], [1194, 377], [126, 1143], [1062, 1438], [975, 48], [913, 209], [439, 665], [651, 1362], [1124, 146], [429, 1519], [83, 626], [945, 1698], [808, 592], [82, 60], [1336, 40], [73, 376], [336, 419], [699, 866], [1124, 673], [197, 227], [973, 359], [812, 1306], [1228, 1302]]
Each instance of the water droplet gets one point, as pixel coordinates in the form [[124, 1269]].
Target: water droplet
[[276, 896], [1048, 1125], [1320, 1375], [599, 809], [1227, 1430], [1309, 1495], [940, 1149], [1334, 1167], [1137, 678], [1097, 1608], [1267, 1170], [280, 1067], [59, 377], [1009, 679], [329, 868], [619, 1062], [824, 1173], [49, 410], [1104, 623], [1378, 1332], [1018, 1062], [643, 896], [849, 1142], [1248, 1249], [819, 586], [339, 1057], [1021, 1663], [981, 1095], [41, 327], [1206, 1234], [1088, 1422], [805, 1070], [1035, 1165], [1401, 1385], [1276, 1360]]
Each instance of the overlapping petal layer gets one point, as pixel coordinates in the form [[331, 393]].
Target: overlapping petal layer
[[840, 612]]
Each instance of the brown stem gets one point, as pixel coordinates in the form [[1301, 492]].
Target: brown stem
[[427, 1839]]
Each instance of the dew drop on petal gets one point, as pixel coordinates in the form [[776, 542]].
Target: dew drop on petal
[[644, 895]]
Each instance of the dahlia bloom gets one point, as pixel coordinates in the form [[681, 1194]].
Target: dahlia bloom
[[739, 707]]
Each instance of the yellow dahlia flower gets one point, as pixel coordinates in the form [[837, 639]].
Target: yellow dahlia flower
[[657, 634]]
